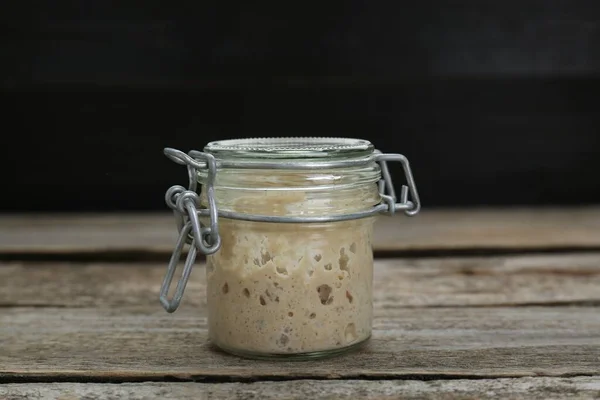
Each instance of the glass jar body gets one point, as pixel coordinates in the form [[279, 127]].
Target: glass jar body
[[293, 289]]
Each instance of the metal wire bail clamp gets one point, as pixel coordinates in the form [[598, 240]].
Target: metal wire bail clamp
[[186, 205]]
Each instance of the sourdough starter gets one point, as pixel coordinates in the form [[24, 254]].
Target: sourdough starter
[[277, 288]]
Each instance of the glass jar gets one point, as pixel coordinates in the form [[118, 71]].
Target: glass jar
[[287, 226]]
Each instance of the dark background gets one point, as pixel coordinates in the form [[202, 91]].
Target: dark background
[[494, 103]]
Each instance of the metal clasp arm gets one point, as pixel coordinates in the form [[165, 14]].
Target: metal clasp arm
[[386, 187], [171, 305], [185, 204]]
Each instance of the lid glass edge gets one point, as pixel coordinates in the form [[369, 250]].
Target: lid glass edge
[[285, 148]]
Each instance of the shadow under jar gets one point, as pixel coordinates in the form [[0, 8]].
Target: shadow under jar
[[287, 226]]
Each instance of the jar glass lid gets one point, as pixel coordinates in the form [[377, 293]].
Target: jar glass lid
[[290, 148]]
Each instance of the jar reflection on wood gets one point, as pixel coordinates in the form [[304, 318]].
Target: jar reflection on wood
[[287, 225]]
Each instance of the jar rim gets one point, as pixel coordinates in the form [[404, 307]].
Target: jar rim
[[282, 148]]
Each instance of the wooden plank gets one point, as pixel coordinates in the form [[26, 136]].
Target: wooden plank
[[523, 388], [423, 282], [145, 343], [432, 230]]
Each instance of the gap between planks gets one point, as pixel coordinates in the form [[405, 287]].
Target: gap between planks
[[145, 256], [124, 377]]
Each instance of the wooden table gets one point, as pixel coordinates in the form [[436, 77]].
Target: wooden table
[[468, 303]]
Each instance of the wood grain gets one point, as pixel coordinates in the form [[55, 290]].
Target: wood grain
[[145, 343], [539, 388], [428, 282], [432, 230]]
